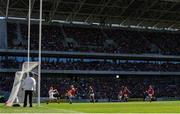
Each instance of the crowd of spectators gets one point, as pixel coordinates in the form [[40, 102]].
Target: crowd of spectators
[[9, 64], [91, 39], [129, 41], [98, 65], [85, 36], [51, 37], [167, 42], [6, 82], [104, 87]]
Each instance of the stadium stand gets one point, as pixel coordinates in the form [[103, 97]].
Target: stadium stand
[[91, 39], [96, 65]]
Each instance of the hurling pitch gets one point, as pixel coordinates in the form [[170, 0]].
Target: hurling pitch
[[84, 108]]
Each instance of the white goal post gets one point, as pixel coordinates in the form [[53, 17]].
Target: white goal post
[[28, 66], [16, 92]]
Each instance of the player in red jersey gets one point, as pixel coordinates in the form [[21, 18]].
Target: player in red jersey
[[71, 93], [126, 93], [150, 92], [120, 94], [91, 94]]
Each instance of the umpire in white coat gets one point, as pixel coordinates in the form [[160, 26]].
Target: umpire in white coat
[[29, 87]]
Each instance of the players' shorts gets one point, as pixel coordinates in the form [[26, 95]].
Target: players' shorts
[[91, 95], [52, 98], [150, 95], [119, 96], [126, 95], [71, 97]]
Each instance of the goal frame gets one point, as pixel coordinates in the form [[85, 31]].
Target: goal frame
[[27, 67]]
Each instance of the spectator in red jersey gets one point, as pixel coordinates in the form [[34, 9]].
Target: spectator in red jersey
[[71, 93], [150, 93], [126, 94]]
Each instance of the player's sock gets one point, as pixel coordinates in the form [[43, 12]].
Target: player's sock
[[126, 100], [70, 100]]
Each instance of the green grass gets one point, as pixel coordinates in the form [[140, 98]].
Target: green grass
[[130, 107]]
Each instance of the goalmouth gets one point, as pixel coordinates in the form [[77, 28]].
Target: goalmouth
[[17, 94]]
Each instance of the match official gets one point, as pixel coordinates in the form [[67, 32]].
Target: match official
[[29, 87]]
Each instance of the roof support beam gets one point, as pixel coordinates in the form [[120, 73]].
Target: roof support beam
[[14, 3], [80, 4], [95, 10], [175, 21], [110, 10], [32, 6], [53, 9], [127, 7], [3, 2], [141, 14], [125, 11], [163, 14], [146, 11], [104, 6], [2, 13], [25, 3], [82, 14], [92, 5], [7, 9]]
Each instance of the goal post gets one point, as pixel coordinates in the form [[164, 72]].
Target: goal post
[[28, 66], [17, 94]]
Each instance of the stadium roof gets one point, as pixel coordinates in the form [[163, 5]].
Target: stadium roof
[[153, 13]]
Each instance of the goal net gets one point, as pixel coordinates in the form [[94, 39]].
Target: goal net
[[17, 93]]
